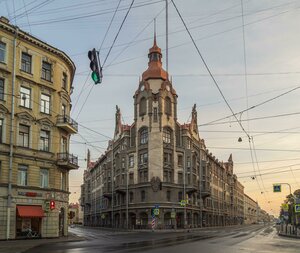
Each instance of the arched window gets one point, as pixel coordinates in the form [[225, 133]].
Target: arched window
[[168, 106], [143, 106], [167, 135], [144, 136]]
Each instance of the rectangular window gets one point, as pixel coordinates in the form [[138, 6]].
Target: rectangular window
[[1, 89], [131, 180], [144, 158], [180, 160], [45, 140], [44, 178], [1, 131], [46, 71], [63, 145], [143, 196], [131, 161], [22, 174], [63, 181], [26, 63], [63, 110], [168, 196], [45, 103], [64, 81], [25, 97], [2, 51], [123, 163], [180, 178], [24, 135], [155, 118]]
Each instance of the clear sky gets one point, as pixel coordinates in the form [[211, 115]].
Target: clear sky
[[269, 54]]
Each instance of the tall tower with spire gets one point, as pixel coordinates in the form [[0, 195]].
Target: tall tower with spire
[[156, 161]]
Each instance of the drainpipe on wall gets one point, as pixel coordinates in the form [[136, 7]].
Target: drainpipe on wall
[[11, 143]]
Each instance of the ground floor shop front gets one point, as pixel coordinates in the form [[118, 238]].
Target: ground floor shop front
[[166, 218], [30, 216]]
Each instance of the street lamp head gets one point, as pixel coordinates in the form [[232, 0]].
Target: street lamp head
[[240, 139]]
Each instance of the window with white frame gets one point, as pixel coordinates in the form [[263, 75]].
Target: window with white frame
[[2, 51], [45, 140], [1, 89], [144, 136], [46, 71], [144, 158], [26, 62], [24, 135], [1, 130], [25, 97], [22, 174], [44, 178], [45, 103], [166, 135], [131, 161]]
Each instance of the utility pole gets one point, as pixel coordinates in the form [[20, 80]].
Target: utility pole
[[167, 37], [11, 137], [184, 190], [112, 186], [127, 183]]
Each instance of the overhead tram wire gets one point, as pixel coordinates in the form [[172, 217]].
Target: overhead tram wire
[[107, 30], [27, 16], [208, 69], [120, 28], [254, 106]]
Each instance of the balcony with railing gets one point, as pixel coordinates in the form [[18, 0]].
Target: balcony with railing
[[67, 161], [67, 123]]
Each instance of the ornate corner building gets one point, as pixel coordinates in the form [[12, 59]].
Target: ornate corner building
[[157, 173], [35, 128]]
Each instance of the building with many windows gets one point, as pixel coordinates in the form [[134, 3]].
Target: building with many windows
[[35, 129], [157, 172]]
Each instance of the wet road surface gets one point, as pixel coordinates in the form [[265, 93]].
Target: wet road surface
[[253, 238]]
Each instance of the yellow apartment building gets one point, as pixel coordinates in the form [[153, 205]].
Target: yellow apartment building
[[35, 129]]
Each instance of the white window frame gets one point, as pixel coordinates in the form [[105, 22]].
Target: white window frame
[[44, 178], [25, 93], [45, 103], [22, 175], [3, 49]]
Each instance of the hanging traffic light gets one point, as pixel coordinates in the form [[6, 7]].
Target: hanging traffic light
[[95, 66], [52, 204]]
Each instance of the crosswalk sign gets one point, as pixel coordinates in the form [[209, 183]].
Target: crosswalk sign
[[276, 187], [297, 208]]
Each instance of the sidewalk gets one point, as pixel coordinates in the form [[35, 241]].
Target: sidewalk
[[18, 246]]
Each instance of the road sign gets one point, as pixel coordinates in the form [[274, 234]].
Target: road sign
[[103, 216], [183, 202], [156, 211], [285, 207], [276, 187], [297, 208]]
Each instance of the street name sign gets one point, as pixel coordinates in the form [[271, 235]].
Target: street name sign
[[276, 187]]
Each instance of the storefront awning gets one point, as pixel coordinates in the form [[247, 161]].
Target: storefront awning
[[30, 211]]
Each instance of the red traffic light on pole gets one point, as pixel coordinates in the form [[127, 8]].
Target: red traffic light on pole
[[95, 66], [52, 204]]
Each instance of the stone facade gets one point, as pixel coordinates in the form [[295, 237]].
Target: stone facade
[[34, 158], [160, 168], [251, 210]]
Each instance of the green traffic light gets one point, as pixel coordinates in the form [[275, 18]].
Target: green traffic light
[[95, 77]]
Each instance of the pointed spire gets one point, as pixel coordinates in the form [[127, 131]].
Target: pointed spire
[[230, 158], [154, 42]]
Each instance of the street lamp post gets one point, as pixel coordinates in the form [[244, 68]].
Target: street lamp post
[[184, 188], [127, 191]]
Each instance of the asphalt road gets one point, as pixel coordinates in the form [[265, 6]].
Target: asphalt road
[[254, 238]]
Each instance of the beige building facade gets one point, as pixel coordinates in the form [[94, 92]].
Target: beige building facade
[[156, 172], [35, 129], [251, 210]]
